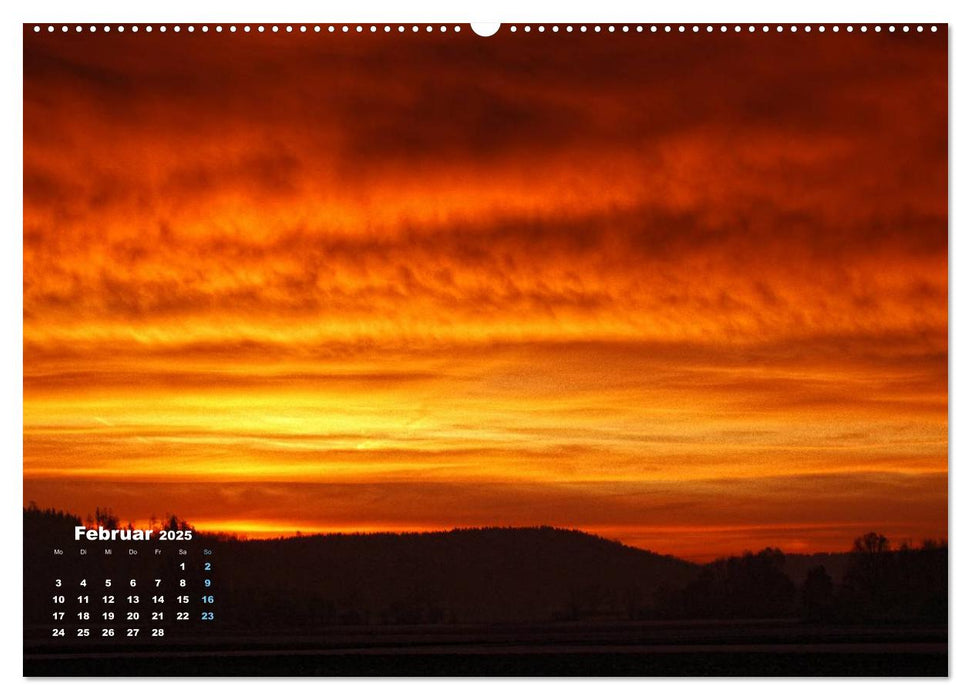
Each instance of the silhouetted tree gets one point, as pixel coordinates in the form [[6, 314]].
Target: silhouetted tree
[[105, 518], [750, 586], [871, 543], [817, 594], [173, 522], [882, 584], [868, 580]]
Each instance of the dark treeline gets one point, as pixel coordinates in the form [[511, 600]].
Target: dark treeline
[[48, 524], [37, 521], [878, 584], [523, 575]]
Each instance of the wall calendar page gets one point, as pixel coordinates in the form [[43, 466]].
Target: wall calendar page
[[536, 349]]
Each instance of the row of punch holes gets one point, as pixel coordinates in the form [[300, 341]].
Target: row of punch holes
[[414, 28]]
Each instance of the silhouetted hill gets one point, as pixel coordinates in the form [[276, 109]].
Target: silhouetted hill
[[470, 575]]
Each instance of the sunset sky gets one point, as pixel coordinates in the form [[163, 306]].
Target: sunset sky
[[688, 292]]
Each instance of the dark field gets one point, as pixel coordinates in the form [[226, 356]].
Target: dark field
[[737, 648]]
